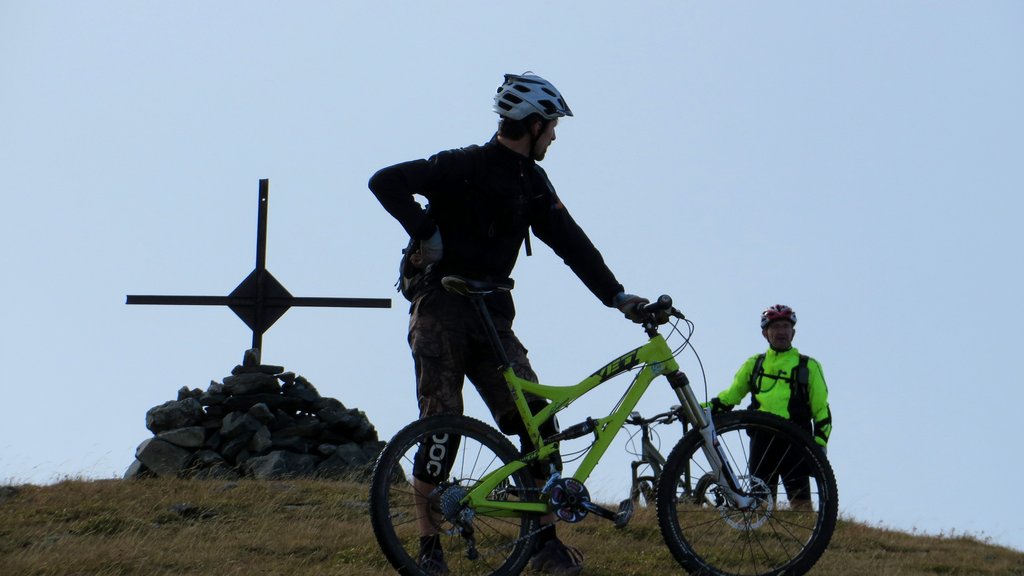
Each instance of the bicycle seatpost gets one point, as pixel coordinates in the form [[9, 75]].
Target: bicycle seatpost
[[489, 329], [475, 291]]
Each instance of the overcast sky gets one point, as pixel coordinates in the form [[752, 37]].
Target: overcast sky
[[859, 161]]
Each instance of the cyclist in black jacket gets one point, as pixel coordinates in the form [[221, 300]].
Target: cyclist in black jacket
[[483, 203]]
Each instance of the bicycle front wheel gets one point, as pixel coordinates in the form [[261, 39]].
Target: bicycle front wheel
[[788, 519], [643, 488], [418, 484]]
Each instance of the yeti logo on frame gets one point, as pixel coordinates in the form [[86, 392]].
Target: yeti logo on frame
[[619, 365]]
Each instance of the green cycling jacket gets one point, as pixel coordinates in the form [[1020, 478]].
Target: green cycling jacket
[[774, 394]]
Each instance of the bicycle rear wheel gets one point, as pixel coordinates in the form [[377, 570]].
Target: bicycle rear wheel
[[457, 451], [780, 533]]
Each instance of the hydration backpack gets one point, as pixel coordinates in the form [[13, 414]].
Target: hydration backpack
[[410, 278], [799, 395]]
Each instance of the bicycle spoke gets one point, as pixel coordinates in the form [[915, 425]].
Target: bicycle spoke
[[473, 541], [783, 530]]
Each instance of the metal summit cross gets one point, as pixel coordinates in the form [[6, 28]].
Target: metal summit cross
[[260, 299]]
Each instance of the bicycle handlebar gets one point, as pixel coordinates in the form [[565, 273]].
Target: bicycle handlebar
[[662, 304], [675, 413]]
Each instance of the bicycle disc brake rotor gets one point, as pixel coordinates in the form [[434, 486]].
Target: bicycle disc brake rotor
[[568, 499], [754, 517]]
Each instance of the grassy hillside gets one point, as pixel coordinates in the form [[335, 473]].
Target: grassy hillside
[[217, 528]]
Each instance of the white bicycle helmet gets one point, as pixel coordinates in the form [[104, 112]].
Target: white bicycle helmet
[[525, 94]]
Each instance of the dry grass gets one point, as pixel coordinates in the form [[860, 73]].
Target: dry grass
[[207, 528]]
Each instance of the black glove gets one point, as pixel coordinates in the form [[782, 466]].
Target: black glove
[[629, 305], [717, 406]]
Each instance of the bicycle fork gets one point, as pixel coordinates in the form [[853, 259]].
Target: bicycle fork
[[724, 475]]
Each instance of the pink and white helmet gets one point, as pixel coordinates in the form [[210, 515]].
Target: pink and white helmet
[[525, 94], [777, 312]]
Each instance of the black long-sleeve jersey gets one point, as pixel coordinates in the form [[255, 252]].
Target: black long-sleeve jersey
[[485, 200]]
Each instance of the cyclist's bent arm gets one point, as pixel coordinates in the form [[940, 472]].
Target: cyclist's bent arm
[[820, 410], [740, 387]]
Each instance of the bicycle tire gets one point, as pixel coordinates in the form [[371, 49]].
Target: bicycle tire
[[503, 545], [708, 536]]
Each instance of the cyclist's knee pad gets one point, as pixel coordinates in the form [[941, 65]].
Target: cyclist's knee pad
[[435, 457]]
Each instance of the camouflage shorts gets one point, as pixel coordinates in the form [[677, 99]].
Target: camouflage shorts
[[449, 345]]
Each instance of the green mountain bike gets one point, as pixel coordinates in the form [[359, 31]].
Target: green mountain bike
[[717, 496]]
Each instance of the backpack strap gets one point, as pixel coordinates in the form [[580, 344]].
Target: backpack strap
[[755, 381], [551, 190], [800, 396], [803, 374], [755, 375]]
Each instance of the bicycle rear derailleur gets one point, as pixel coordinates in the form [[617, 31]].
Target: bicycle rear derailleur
[[450, 496]]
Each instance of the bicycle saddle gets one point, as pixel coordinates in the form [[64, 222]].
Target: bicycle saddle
[[469, 287]]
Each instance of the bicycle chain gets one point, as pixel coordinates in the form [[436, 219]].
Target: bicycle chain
[[524, 537]]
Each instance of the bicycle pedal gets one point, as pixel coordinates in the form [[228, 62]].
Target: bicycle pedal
[[625, 513]]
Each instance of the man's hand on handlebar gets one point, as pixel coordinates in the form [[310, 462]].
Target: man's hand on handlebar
[[641, 310], [631, 306]]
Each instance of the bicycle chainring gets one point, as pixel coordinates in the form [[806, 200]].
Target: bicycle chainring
[[568, 500]]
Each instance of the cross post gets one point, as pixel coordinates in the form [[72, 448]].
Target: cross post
[[260, 300]]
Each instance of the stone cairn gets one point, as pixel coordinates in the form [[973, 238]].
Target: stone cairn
[[261, 422]]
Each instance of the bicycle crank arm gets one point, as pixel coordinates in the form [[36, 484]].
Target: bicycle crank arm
[[603, 512]]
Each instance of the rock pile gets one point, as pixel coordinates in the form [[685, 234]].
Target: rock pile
[[260, 422]]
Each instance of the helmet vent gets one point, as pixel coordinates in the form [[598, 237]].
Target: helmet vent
[[522, 95]]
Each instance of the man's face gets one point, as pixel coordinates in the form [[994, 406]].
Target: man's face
[[779, 335], [544, 139]]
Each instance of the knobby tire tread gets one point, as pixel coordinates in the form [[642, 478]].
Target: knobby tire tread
[[390, 459], [669, 517]]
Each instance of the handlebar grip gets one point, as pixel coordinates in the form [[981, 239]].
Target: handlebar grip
[[664, 302]]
